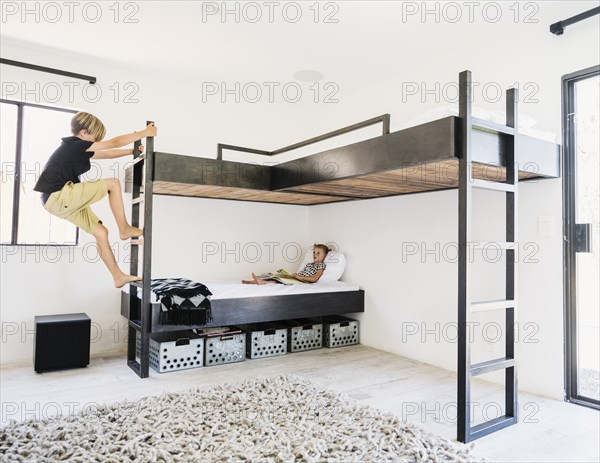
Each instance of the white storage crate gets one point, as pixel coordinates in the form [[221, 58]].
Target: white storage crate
[[223, 345], [178, 350], [339, 331], [265, 340], [304, 334]]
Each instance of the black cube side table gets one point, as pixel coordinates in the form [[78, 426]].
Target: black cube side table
[[61, 341]]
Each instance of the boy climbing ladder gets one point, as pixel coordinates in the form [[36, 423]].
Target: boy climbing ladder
[[65, 196]]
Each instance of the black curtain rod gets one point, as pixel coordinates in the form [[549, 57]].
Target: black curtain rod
[[559, 27], [35, 67]]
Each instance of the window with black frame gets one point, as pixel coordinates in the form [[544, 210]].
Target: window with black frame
[[581, 122], [29, 135]]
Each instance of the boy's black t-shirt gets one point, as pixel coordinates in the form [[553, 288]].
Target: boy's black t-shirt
[[67, 163]]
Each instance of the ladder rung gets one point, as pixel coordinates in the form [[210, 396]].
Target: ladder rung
[[486, 184], [491, 305], [141, 158], [136, 242], [139, 199], [135, 324], [491, 426], [135, 366], [492, 365], [489, 126], [494, 245], [138, 284]]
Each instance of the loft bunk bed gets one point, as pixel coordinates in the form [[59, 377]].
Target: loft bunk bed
[[450, 153]]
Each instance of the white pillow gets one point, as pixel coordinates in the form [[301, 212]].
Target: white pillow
[[335, 264]]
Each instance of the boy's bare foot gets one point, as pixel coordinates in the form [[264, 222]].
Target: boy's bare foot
[[248, 282], [123, 279], [257, 280], [130, 232]]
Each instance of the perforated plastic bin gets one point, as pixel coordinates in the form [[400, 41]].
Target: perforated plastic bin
[[265, 340], [339, 331], [179, 350], [224, 346], [304, 334]]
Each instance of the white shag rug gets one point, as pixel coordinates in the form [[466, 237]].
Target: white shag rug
[[280, 419]]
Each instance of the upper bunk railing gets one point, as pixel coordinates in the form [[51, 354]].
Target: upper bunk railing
[[384, 119]]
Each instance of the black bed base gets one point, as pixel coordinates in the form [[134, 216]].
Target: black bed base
[[260, 309]]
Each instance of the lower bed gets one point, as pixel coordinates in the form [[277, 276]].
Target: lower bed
[[234, 303]]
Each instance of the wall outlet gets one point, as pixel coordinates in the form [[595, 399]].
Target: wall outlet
[[545, 225]]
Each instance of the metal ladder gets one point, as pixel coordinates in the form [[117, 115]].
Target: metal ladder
[[466, 370], [140, 312]]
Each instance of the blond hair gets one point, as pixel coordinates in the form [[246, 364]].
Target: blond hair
[[89, 122]]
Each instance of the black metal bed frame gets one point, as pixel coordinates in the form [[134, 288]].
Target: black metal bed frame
[[384, 119], [258, 309], [508, 133], [142, 315]]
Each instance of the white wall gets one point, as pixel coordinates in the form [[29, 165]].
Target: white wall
[[192, 236], [371, 232], [402, 251], [411, 299]]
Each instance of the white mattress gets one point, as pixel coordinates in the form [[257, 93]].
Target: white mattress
[[233, 289]]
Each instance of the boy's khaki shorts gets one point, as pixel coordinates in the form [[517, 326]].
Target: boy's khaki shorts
[[72, 203]]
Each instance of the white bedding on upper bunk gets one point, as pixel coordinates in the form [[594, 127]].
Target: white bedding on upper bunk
[[233, 289]]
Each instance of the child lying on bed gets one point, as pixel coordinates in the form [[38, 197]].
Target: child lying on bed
[[309, 274]]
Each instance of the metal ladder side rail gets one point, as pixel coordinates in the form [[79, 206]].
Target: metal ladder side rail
[[143, 173], [466, 370], [464, 233], [134, 259], [512, 177]]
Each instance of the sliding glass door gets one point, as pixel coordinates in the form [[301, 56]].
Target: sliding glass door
[[581, 135]]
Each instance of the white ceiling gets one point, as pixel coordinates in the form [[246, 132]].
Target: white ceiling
[[370, 41]]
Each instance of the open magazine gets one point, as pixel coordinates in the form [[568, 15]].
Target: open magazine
[[282, 276]]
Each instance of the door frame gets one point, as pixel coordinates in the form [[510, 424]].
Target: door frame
[[569, 255]]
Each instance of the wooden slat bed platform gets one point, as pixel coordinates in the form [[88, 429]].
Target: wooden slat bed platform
[[413, 160], [241, 194], [427, 177]]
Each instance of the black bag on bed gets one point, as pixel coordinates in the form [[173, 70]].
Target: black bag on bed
[[184, 302]]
